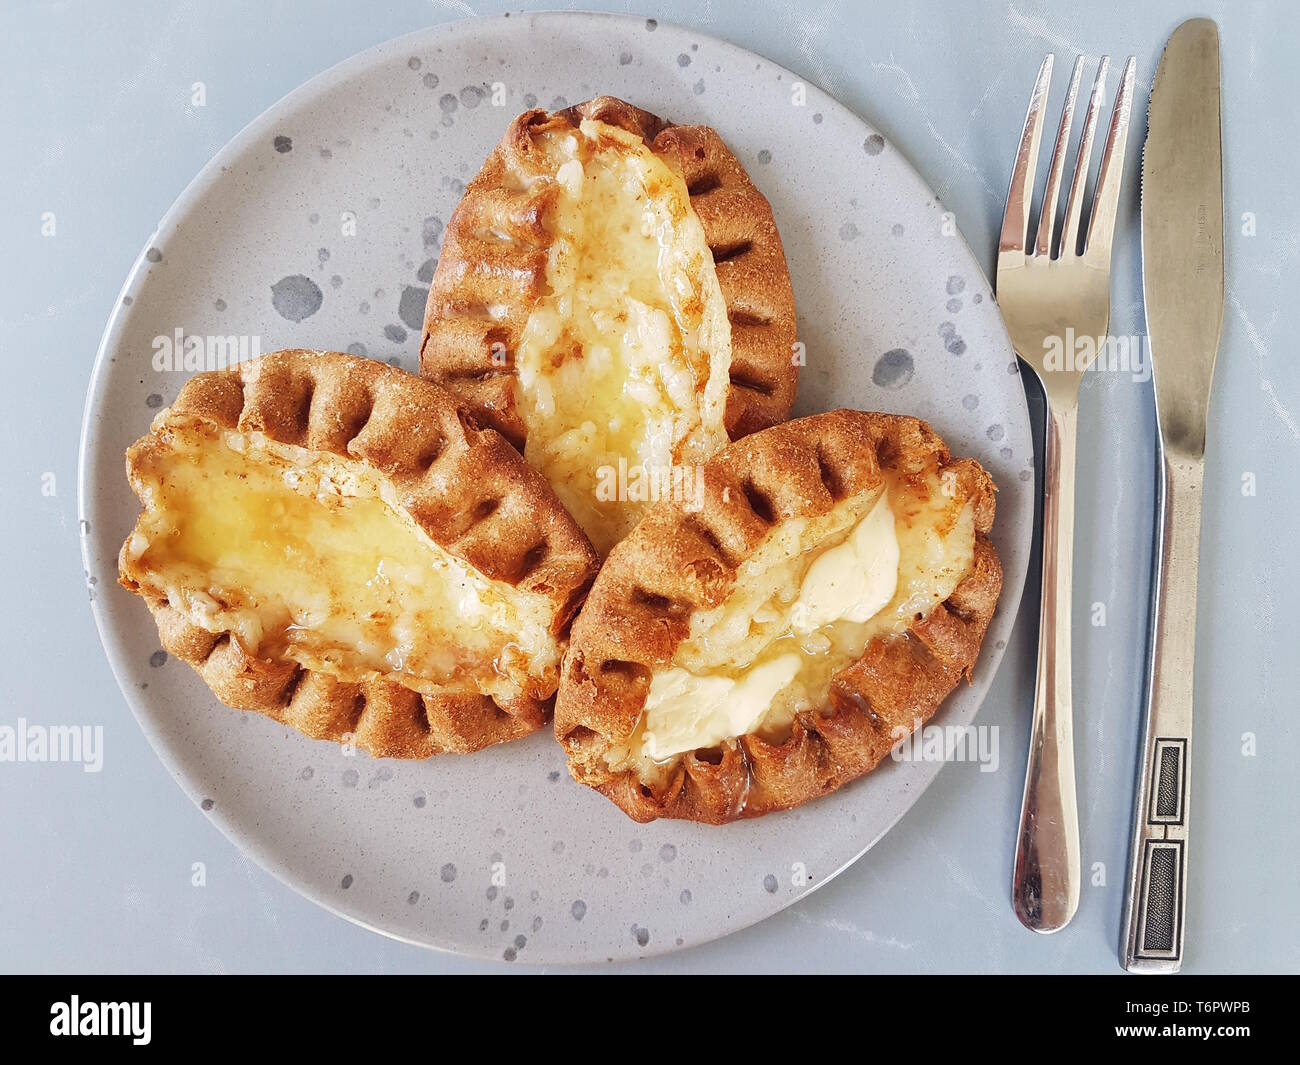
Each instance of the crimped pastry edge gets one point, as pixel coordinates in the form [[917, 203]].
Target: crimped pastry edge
[[459, 338], [443, 466], [677, 561]]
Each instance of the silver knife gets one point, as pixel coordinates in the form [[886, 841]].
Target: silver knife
[[1182, 279]]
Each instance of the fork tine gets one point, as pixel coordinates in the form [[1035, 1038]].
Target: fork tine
[[1074, 205], [1047, 218], [1015, 222], [1105, 202]]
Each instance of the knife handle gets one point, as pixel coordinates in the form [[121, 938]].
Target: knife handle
[[1155, 903]]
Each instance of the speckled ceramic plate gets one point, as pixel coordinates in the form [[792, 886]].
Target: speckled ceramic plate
[[318, 226]]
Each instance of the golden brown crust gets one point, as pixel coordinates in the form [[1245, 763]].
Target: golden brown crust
[[468, 490], [471, 352], [678, 561]]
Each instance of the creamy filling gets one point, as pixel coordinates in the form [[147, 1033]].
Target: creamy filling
[[623, 364], [805, 606], [306, 557]]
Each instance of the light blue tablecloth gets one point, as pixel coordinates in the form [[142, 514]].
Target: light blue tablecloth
[[95, 869]]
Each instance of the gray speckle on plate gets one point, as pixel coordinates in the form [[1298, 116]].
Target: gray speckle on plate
[[296, 296]]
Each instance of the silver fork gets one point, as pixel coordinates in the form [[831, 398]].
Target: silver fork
[[1050, 303]]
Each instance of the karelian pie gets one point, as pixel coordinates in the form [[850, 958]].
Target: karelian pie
[[764, 648], [612, 295], [331, 542]]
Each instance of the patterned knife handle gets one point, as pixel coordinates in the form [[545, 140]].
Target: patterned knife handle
[[1155, 904]]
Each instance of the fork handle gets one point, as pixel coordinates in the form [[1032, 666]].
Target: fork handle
[[1045, 883], [1156, 896]]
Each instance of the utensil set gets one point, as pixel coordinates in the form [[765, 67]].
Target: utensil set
[[1053, 282]]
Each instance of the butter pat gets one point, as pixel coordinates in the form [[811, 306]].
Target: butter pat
[[852, 581], [805, 606], [684, 712]]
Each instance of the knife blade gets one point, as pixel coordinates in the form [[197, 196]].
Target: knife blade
[[1183, 288], [1182, 231]]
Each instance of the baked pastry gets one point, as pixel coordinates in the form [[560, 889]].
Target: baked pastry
[[329, 541], [828, 594], [613, 297]]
